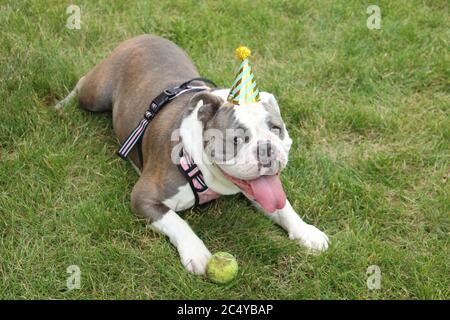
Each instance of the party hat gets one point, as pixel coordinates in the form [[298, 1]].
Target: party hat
[[244, 89]]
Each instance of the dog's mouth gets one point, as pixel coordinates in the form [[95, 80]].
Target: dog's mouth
[[266, 190]]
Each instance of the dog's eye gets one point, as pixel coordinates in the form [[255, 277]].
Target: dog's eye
[[275, 129]]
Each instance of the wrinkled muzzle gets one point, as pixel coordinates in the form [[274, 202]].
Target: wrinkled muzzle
[[256, 171]]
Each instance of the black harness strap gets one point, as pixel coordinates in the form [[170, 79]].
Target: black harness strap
[[185, 84], [135, 137], [139, 150], [192, 178]]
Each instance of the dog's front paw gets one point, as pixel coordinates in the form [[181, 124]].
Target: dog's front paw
[[311, 238], [194, 256]]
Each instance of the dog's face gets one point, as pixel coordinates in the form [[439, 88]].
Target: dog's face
[[250, 145]]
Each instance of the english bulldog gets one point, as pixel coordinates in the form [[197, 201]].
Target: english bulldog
[[236, 148]]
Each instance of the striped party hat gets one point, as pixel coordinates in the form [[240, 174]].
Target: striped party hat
[[244, 88]]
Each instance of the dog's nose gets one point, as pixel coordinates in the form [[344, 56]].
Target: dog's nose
[[266, 156]]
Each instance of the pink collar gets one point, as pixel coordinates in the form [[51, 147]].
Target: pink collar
[[194, 176]]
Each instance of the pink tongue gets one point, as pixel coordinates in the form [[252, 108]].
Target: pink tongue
[[268, 192]]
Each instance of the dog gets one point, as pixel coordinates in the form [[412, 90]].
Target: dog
[[202, 125]]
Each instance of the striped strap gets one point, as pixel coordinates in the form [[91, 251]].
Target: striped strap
[[155, 106], [132, 139]]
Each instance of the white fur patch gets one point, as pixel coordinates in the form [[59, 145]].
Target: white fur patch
[[193, 252], [182, 200], [246, 164], [306, 234], [191, 133]]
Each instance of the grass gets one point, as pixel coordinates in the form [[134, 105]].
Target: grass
[[368, 111]]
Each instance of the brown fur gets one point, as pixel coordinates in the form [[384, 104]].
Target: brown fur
[[126, 82]]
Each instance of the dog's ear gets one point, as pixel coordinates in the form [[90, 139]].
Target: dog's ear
[[270, 99], [210, 103]]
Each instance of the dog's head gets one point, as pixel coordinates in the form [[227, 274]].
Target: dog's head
[[249, 143]]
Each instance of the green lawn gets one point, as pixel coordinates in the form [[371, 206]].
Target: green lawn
[[368, 111]]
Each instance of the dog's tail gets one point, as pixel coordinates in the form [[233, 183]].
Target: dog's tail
[[72, 95]]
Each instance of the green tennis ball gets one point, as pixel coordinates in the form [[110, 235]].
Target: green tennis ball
[[222, 268]]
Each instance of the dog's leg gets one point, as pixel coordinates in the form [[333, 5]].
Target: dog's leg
[[306, 234], [72, 95], [193, 252]]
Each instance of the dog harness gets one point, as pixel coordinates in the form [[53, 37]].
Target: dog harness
[[196, 181], [186, 165], [155, 106]]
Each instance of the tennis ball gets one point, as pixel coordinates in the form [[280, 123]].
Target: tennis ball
[[222, 267]]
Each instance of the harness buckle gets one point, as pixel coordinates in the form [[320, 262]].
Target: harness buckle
[[159, 101], [171, 92], [149, 115]]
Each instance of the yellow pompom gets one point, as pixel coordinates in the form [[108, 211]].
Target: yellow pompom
[[242, 52]]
